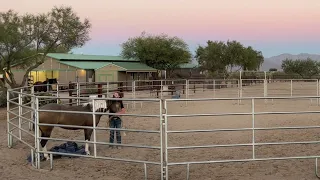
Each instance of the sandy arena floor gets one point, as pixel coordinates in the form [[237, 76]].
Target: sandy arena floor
[[13, 163]]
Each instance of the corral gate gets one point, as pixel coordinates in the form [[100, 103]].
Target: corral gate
[[164, 116]]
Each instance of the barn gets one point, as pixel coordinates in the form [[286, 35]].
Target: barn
[[67, 67], [188, 70]]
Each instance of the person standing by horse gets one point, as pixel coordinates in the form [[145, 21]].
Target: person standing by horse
[[115, 121]]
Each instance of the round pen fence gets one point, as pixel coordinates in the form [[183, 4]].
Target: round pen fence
[[186, 88], [250, 125], [23, 117], [186, 119]]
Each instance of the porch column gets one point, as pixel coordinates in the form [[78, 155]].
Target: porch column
[[127, 81]]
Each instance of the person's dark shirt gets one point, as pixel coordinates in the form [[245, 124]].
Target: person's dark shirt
[[114, 101]]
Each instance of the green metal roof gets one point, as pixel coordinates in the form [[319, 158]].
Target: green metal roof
[[85, 64], [126, 66], [188, 66], [83, 57], [134, 66]]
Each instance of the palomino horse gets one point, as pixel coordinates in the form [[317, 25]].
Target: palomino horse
[[75, 119]]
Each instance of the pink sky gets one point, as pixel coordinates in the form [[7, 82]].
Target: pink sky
[[194, 20]]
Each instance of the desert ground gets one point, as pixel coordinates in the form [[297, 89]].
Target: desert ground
[[13, 163]]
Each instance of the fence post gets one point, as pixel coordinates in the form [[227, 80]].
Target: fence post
[[187, 90], [161, 88], [134, 93], [94, 128], [37, 132], [162, 125], [57, 93], [318, 91], [166, 140], [240, 90], [291, 87], [253, 126], [31, 127], [78, 93], [214, 87], [20, 112], [48, 89], [71, 88], [99, 90], [8, 121], [108, 88], [265, 90]]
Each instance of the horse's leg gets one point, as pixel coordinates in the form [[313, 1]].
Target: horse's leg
[[87, 137], [46, 132]]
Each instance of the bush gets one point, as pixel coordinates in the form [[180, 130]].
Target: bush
[[25, 99], [3, 99]]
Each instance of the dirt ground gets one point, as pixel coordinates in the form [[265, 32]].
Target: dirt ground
[[13, 163]]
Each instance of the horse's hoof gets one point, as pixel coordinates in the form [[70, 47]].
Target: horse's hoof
[[88, 153]]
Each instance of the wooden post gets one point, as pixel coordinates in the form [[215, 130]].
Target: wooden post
[[71, 87], [99, 90], [127, 82]]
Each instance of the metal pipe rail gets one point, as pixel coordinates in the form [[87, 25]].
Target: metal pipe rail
[[256, 113], [253, 129], [98, 113], [244, 144], [244, 98], [95, 142], [100, 143], [243, 160], [163, 116], [98, 128], [244, 129]]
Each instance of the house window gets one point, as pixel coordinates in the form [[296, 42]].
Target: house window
[[132, 75]]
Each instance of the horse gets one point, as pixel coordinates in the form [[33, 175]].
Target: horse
[[75, 119]]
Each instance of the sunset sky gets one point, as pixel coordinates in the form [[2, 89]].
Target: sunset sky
[[272, 26]]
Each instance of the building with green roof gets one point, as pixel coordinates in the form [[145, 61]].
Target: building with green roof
[[85, 68], [188, 70]]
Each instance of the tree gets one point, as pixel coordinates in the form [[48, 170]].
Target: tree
[[26, 39], [234, 54], [306, 68], [158, 51], [212, 57], [220, 57], [252, 59]]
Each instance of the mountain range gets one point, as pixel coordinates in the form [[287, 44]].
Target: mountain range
[[275, 61]]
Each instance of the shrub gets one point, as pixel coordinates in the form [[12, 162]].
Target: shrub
[[3, 99]]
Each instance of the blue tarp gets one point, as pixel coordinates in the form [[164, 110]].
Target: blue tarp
[[69, 147]]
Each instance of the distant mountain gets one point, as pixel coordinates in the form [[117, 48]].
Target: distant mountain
[[275, 61]]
